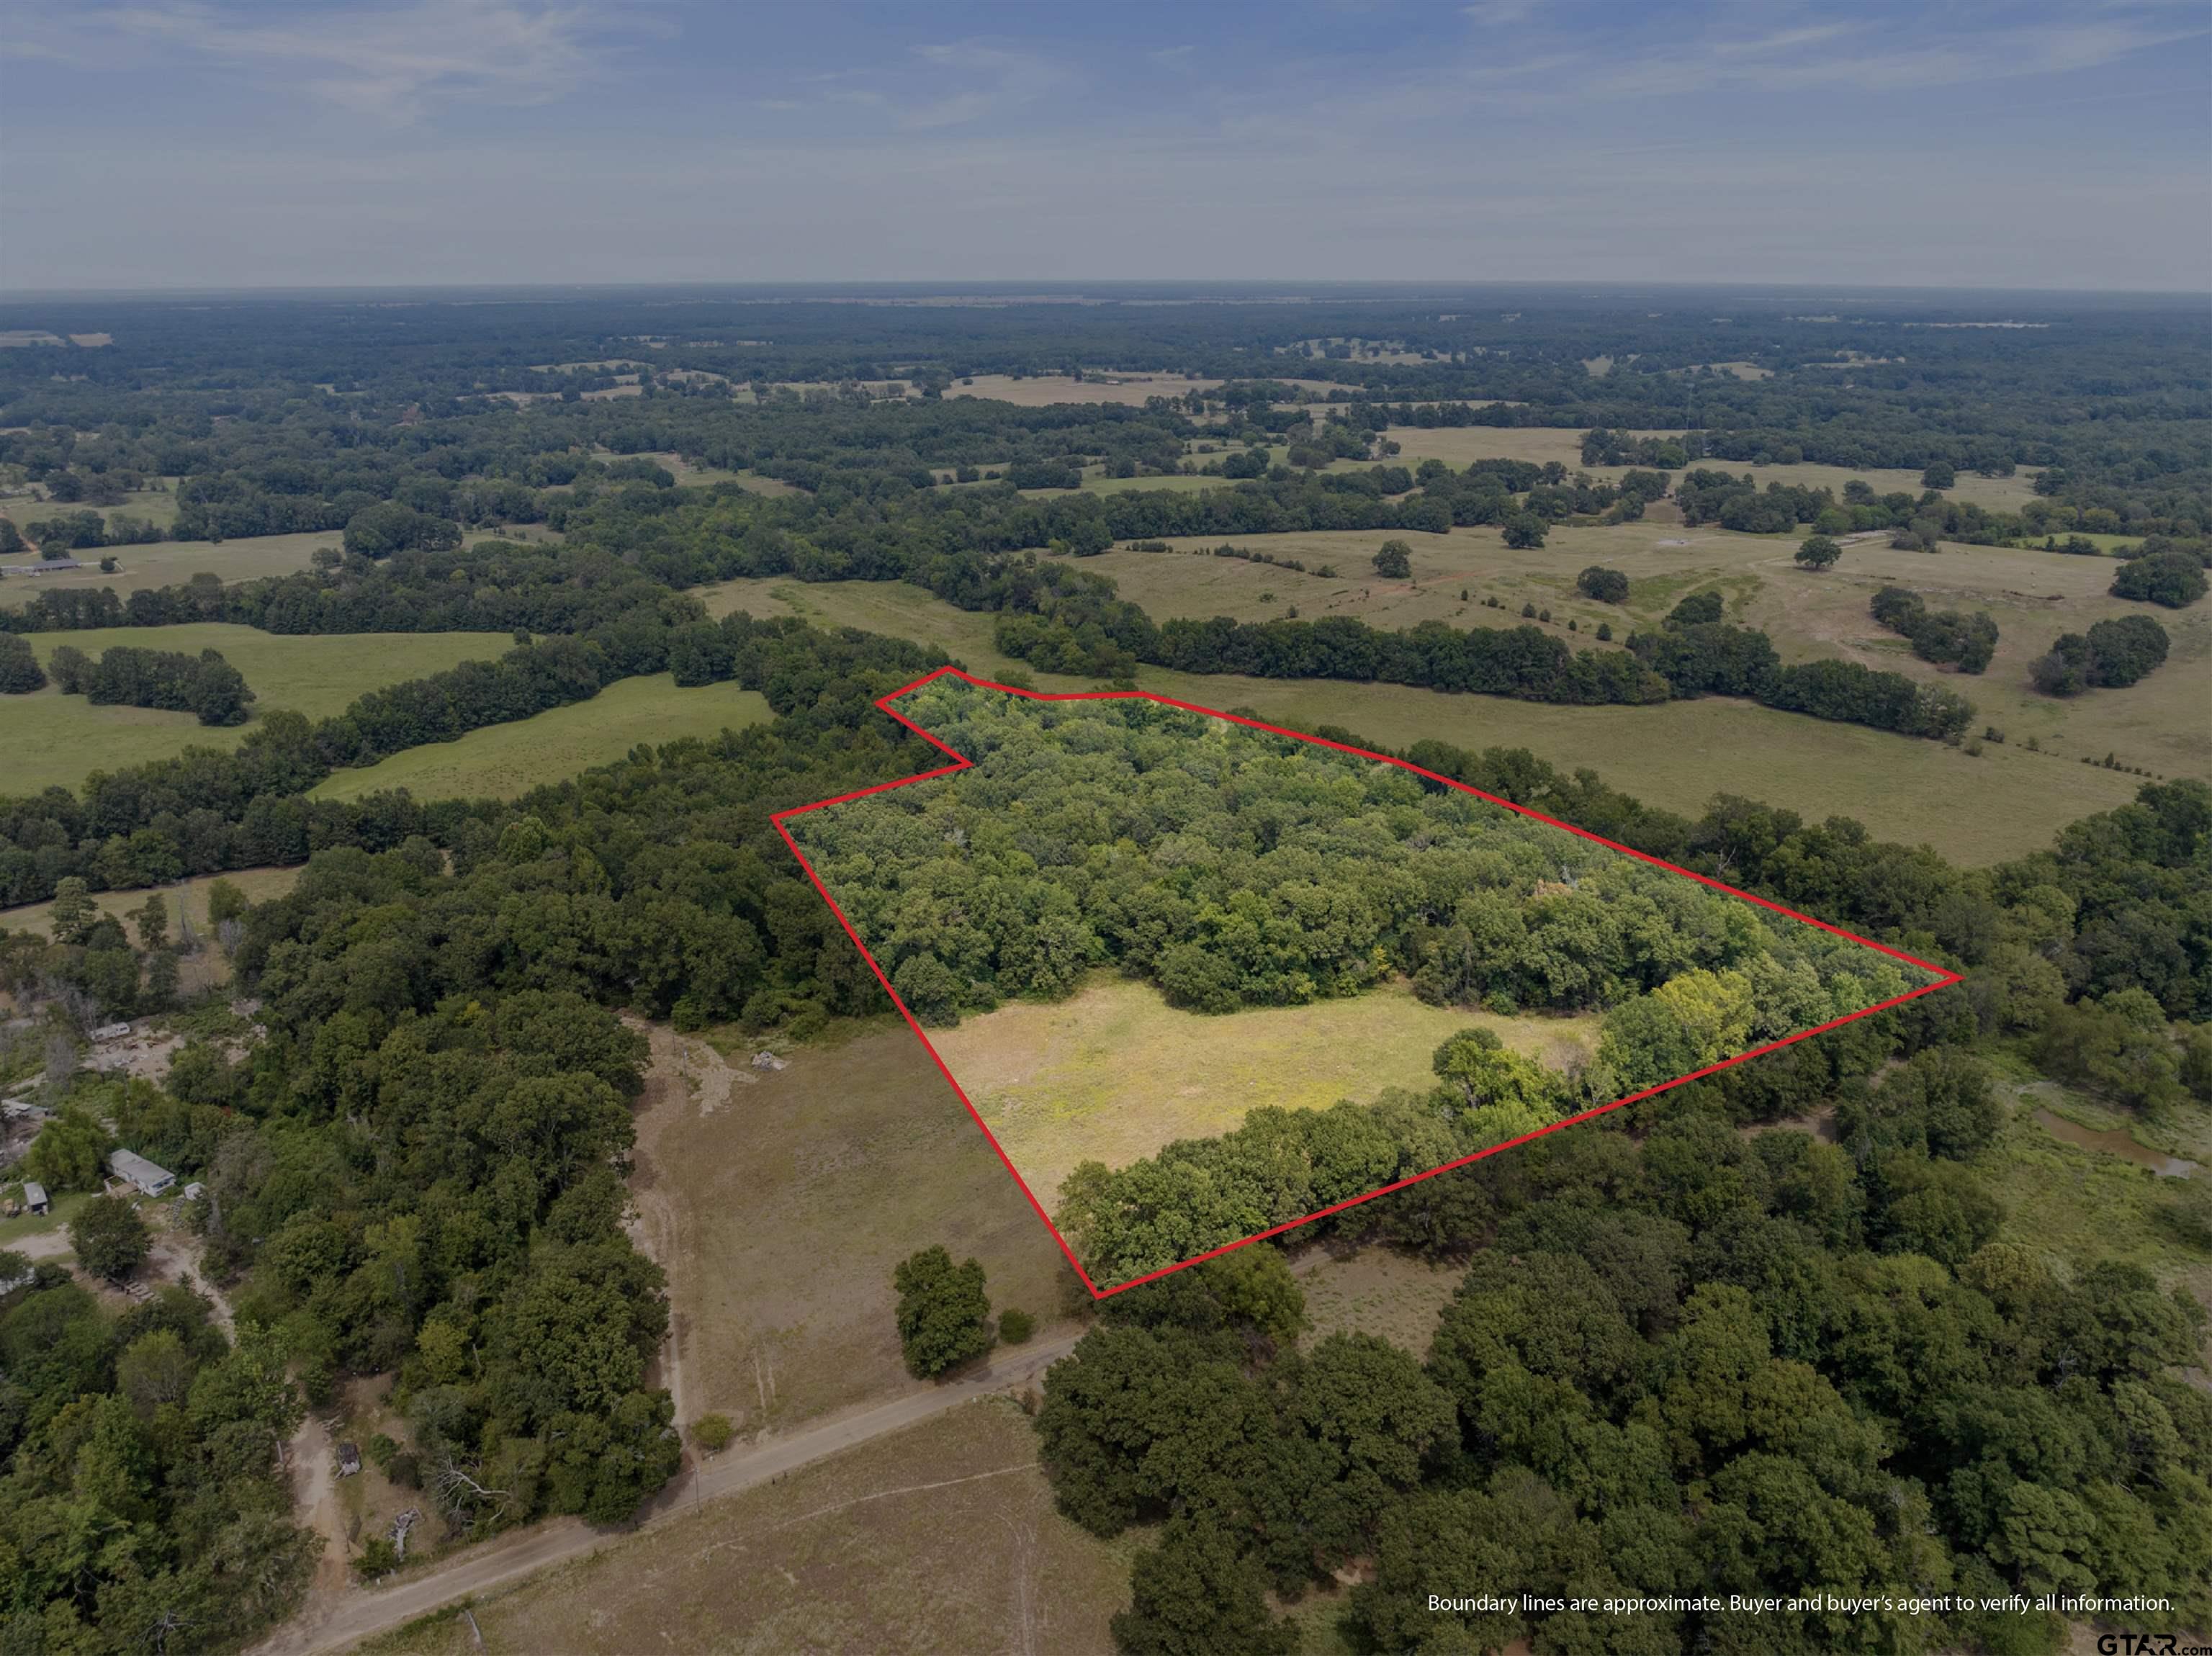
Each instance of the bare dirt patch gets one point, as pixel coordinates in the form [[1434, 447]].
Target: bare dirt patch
[[780, 1208]]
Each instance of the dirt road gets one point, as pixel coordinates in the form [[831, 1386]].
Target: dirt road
[[363, 1612]]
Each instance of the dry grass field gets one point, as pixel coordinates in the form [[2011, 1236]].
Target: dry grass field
[[2005, 803], [48, 739], [504, 762], [1462, 445], [941, 1539], [171, 563], [2034, 596], [780, 1200], [1043, 390], [1373, 1290], [259, 885], [1114, 1072]]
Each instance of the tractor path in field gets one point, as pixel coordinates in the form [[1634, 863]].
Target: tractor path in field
[[335, 1623]]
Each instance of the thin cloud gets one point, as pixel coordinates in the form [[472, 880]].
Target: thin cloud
[[391, 63], [1011, 80]]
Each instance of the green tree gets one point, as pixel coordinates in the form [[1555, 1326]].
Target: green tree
[[1524, 531], [1818, 551], [73, 910], [19, 672], [69, 1152], [156, 1369], [1196, 1594], [1394, 560], [150, 920], [1606, 585], [110, 1239], [225, 902], [943, 1315]]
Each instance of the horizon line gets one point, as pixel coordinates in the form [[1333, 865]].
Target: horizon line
[[1016, 287]]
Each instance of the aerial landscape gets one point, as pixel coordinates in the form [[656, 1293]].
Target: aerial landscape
[[1067, 831]]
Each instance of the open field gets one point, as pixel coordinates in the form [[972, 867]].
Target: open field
[[1114, 1072], [781, 1201], [2005, 803], [49, 739], [942, 1537], [1461, 445], [2034, 596], [260, 884], [171, 563], [1044, 390], [504, 762]]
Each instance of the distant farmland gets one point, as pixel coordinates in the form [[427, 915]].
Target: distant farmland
[[50, 740], [503, 762], [2004, 804]]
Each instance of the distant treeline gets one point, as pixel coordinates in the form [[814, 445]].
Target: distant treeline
[[1068, 620]]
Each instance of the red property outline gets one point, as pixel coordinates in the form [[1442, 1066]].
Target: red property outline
[[1944, 978]]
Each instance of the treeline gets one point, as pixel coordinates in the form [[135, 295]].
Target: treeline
[[1068, 620], [208, 811], [493, 586], [204, 685], [1943, 636], [1690, 1370]]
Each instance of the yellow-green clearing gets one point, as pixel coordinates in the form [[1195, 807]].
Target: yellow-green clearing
[[1974, 809], [504, 762], [50, 740], [1114, 1072]]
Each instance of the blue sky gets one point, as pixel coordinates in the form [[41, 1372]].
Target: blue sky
[[209, 145]]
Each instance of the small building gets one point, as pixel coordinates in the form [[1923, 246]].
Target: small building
[[195, 1191], [35, 1197], [349, 1459], [111, 1032], [135, 1170]]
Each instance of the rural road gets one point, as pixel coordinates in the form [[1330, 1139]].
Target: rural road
[[363, 1612]]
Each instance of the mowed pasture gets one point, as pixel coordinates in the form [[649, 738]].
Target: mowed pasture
[[504, 762], [941, 1537], [782, 1200], [1042, 390], [1114, 1072], [50, 740], [2004, 803]]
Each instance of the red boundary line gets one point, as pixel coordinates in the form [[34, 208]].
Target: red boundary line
[[1944, 978]]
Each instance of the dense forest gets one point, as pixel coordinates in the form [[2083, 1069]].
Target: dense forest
[[293, 411], [414, 1160], [1684, 1360]]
